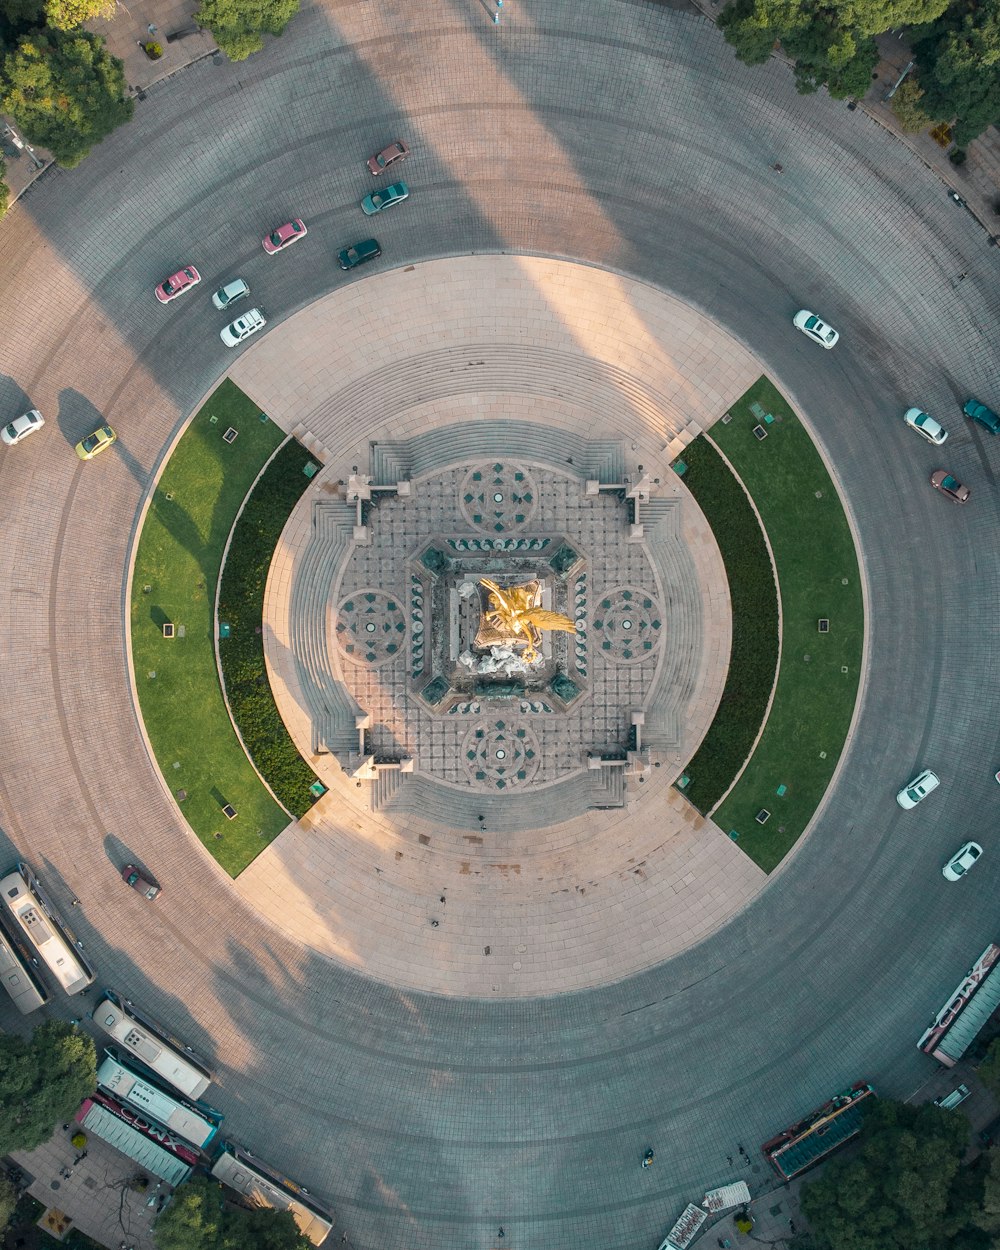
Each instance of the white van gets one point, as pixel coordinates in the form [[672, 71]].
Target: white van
[[948, 1102]]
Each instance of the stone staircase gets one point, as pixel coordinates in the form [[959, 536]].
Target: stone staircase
[[332, 708], [682, 608], [523, 369], [471, 440]]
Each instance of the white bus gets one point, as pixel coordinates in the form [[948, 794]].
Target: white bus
[[261, 1186], [152, 1045], [128, 1087], [19, 981], [37, 919]]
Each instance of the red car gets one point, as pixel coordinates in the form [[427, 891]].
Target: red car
[[396, 151], [284, 236], [179, 282], [146, 886]]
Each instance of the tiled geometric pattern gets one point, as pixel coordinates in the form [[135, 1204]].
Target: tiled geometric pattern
[[627, 626], [499, 498], [371, 625], [501, 754]]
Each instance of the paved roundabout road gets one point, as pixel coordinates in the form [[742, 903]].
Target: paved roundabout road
[[625, 137]]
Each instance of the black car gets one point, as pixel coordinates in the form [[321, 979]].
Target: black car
[[351, 257]]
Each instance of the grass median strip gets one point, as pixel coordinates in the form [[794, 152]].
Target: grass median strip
[[176, 572], [822, 625]]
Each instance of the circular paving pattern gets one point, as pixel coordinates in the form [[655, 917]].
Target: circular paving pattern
[[370, 627], [628, 625], [428, 1119], [500, 755], [499, 498]]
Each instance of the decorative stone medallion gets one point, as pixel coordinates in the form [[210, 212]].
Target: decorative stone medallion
[[627, 625], [371, 627], [499, 498], [500, 754]]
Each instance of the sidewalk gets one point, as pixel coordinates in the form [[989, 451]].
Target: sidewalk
[[95, 1196]]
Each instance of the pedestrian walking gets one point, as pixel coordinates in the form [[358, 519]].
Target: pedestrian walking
[[729, 1160], [501, 1232]]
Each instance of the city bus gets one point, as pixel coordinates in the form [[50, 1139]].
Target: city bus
[[152, 1045], [180, 1117], [819, 1134], [38, 920], [955, 1027], [260, 1186], [20, 982]]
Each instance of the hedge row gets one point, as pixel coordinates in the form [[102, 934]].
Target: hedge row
[[241, 606], [754, 599]]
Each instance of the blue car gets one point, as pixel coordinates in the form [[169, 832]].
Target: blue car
[[394, 194], [985, 417]]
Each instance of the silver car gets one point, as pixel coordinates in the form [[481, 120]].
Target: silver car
[[243, 327], [960, 863], [925, 425], [21, 427], [230, 293], [918, 789]]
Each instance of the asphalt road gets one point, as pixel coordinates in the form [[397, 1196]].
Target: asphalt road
[[624, 135]]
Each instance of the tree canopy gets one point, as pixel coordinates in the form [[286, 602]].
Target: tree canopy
[[906, 1188], [198, 1219], [830, 42], [958, 60], [64, 91], [42, 1081], [239, 25], [68, 14]]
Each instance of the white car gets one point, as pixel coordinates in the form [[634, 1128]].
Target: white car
[[230, 293], [918, 789], [925, 425], [816, 329], [960, 863], [243, 327], [21, 427]]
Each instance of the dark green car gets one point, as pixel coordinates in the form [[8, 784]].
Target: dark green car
[[351, 257], [982, 415]]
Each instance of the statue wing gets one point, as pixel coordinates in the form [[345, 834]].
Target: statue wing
[[542, 618]]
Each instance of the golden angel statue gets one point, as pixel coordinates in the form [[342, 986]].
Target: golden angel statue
[[513, 612]]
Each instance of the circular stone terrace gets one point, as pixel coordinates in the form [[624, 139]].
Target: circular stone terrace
[[485, 833]]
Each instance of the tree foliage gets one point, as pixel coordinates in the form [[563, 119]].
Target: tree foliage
[[8, 1201], [830, 42], [64, 91], [4, 189], [988, 1070], [904, 1190], [69, 14], [908, 107], [239, 25], [198, 1219], [42, 1081], [959, 60]]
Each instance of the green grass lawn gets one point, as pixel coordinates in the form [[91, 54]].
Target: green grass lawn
[[818, 676], [176, 573], [754, 599]]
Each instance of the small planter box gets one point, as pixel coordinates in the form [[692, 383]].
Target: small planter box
[[824, 625], [168, 629]]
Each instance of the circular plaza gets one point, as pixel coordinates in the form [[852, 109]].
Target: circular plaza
[[554, 313]]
